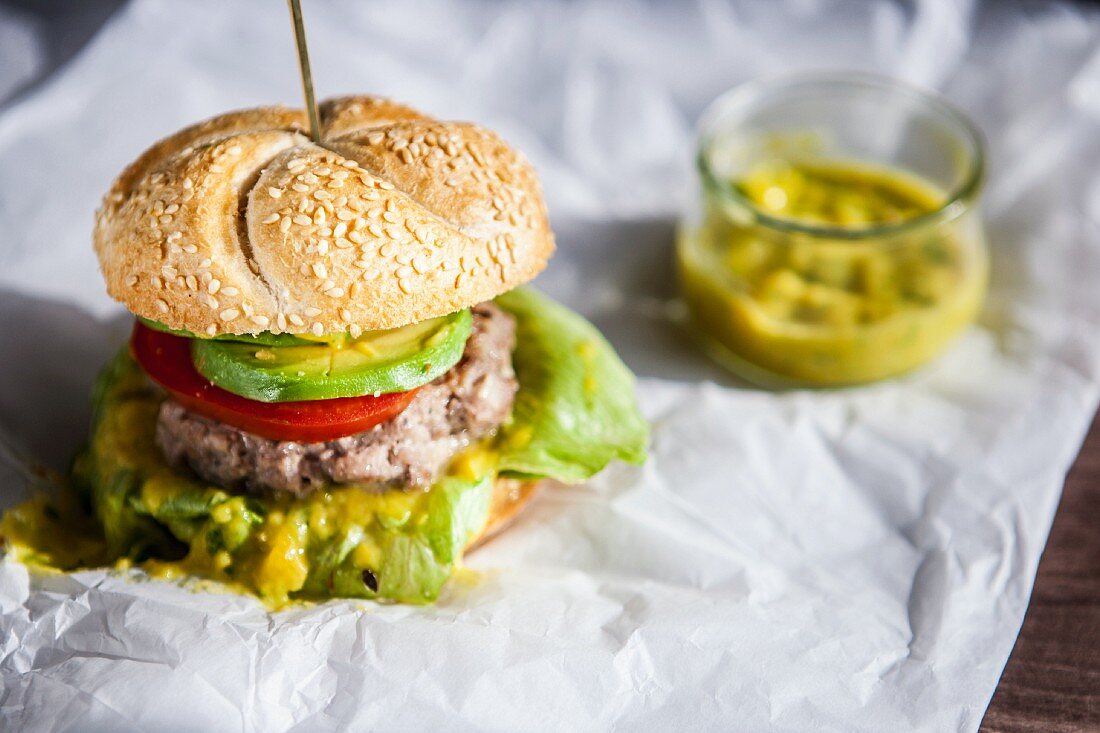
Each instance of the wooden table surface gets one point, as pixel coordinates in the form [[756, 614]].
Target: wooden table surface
[[1052, 681]]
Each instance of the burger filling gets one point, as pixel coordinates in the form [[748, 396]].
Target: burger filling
[[345, 466]]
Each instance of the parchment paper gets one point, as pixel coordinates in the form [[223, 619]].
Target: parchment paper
[[852, 561]]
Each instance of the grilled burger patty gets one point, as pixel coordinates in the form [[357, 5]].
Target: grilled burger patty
[[465, 404]]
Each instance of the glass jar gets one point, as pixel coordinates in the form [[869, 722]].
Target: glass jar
[[837, 238]]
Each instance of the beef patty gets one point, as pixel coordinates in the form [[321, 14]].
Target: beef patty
[[467, 403]]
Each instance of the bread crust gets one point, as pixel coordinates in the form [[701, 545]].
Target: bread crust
[[242, 224], [510, 496]]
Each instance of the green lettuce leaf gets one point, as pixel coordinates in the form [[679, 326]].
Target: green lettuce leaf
[[417, 563], [575, 411]]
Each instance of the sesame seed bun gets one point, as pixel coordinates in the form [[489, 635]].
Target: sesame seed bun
[[242, 224], [509, 497]]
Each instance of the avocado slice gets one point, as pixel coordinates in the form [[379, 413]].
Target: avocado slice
[[377, 362], [265, 338]]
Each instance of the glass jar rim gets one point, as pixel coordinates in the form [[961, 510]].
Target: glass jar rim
[[745, 96]]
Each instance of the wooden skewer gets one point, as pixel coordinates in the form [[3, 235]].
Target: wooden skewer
[[303, 64]]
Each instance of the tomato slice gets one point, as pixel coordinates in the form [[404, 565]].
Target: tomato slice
[[167, 359]]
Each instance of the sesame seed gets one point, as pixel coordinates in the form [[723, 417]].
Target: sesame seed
[[172, 208], [300, 187], [342, 243], [356, 237], [319, 216], [405, 272], [209, 301], [207, 262], [296, 319], [275, 193], [312, 312], [211, 329], [284, 225], [345, 314], [339, 229], [280, 320], [322, 247], [188, 183], [407, 285], [302, 220], [131, 280], [190, 249], [353, 291], [345, 215], [162, 306], [335, 292], [271, 218], [355, 330], [388, 249], [229, 314], [230, 292], [385, 185], [259, 320], [165, 219], [192, 282], [391, 217], [213, 286], [319, 270], [157, 282], [318, 329]]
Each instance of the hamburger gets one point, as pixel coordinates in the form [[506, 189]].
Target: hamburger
[[335, 384]]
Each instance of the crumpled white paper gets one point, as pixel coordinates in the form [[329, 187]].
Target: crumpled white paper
[[851, 561]]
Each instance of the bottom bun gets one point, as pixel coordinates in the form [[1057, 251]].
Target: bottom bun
[[510, 495]]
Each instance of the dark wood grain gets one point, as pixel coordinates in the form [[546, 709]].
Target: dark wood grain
[[1052, 681]]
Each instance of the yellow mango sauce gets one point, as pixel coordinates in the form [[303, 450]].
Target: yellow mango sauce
[[783, 306], [270, 556]]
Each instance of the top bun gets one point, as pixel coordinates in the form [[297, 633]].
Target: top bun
[[242, 224]]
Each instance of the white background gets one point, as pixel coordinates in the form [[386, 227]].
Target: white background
[[854, 560]]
